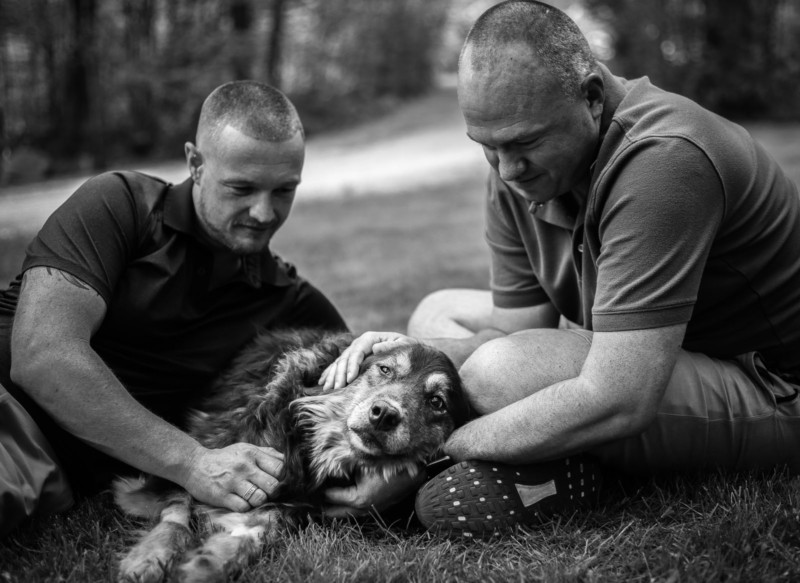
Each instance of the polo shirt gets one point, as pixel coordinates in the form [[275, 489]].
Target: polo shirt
[[178, 309], [685, 219]]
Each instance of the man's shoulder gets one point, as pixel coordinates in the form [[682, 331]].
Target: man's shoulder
[[649, 112], [132, 182], [121, 191]]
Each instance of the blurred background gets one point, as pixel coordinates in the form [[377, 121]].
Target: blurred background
[[87, 85]]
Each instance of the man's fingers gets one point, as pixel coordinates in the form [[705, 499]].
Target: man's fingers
[[357, 352], [271, 451], [340, 375], [387, 344], [254, 496], [344, 369], [353, 364], [324, 376], [272, 467], [233, 502]]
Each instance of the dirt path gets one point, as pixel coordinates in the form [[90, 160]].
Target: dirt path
[[420, 144]]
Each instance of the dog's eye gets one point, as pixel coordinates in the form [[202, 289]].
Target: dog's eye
[[384, 369], [437, 402]]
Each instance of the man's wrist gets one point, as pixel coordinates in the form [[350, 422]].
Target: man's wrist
[[183, 460]]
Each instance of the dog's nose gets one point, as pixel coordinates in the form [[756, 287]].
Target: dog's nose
[[383, 416]]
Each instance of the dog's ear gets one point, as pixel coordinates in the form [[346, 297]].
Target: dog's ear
[[461, 408]]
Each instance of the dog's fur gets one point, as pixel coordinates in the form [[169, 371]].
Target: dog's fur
[[394, 416]]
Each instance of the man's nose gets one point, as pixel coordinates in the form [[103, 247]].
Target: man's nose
[[262, 210], [510, 165]]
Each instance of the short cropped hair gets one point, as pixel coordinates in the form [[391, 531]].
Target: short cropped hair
[[256, 109], [554, 37]]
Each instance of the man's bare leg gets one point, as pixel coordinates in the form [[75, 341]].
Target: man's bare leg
[[508, 369], [451, 313]]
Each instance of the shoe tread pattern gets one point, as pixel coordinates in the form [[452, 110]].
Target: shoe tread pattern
[[479, 498]]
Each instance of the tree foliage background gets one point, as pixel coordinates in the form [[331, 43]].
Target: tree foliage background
[[91, 82], [739, 58], [85, 84]]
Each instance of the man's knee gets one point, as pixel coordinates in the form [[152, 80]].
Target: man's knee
[[510, 368], [432, 307], [485, 375], [451, 313]]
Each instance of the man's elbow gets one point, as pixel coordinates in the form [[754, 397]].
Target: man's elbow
[[32, 357], [632, 416]]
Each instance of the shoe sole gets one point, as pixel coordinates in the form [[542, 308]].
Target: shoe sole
[[473, 498]]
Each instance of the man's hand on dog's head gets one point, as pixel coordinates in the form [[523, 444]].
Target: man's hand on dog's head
[[370, 492], [238, 477], [344, 369]]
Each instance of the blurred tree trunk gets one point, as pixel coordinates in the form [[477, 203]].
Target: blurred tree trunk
[[736, 58], [241, 13], [736, 71], [79, 81], [275, 43], [4, 92], [139, 84]]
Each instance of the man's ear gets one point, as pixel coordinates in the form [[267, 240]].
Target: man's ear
[[194, 160], [594, 92]]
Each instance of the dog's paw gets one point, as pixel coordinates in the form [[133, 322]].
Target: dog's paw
[[201, 566], [150, 560], [139, 568], [222, 556]]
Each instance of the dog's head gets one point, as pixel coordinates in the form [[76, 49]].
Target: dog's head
[[396, 414], [405, 402]]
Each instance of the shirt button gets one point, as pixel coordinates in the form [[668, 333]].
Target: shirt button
[[201, 271], [580, 247]]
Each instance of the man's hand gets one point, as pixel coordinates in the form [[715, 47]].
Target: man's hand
[[345, 368], [237, 477], [371, 492]]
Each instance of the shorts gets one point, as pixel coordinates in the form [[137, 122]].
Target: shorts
[[31, 480], [733, 414]]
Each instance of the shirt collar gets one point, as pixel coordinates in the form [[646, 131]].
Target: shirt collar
[[616, 88], [563, 211], [256, 269], [179, 208]]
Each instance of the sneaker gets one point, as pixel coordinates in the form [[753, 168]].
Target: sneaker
[[477, 498]]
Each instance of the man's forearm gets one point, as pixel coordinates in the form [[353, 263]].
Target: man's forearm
[[82, 394], [557, 421]]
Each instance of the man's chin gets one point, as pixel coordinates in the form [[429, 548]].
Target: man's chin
[[533, 196], [530, 196], [249, 245]]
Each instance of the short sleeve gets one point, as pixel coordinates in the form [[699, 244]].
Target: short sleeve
[[513, 281], [91, 235], [656, 227], [311, 308]]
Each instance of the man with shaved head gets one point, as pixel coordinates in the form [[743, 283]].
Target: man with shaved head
[[645, 288], [131, 299]]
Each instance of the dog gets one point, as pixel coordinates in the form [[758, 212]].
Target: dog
[[393, 417]]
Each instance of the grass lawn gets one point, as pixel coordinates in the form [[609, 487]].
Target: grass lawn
[[376, 258]]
